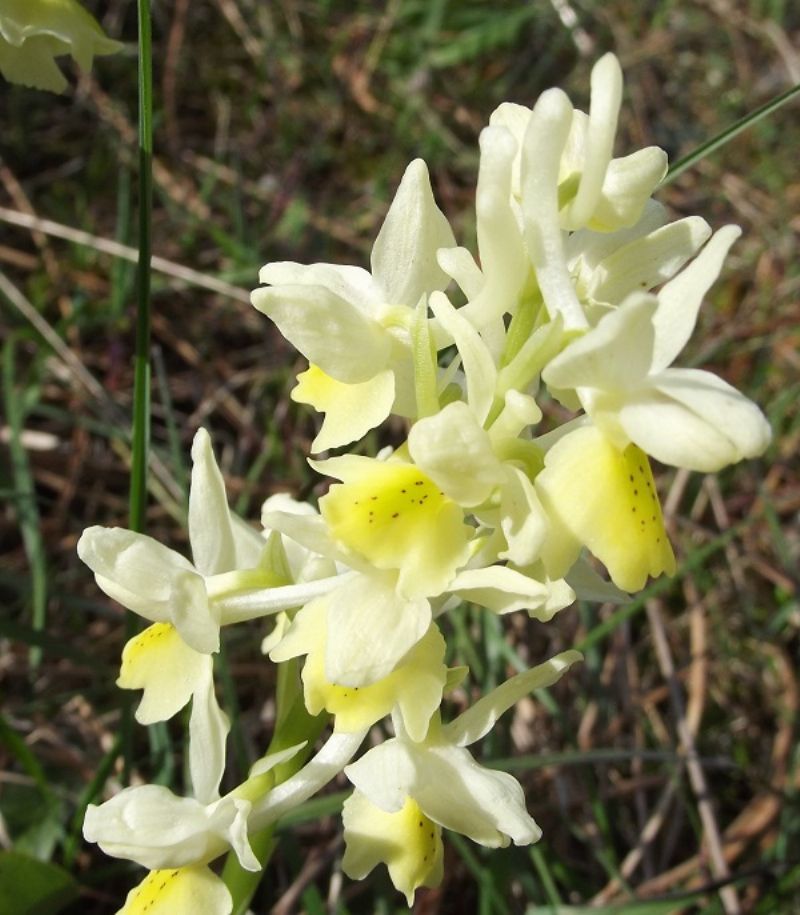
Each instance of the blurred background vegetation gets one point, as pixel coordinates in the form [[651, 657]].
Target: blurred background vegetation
[[281, 131]]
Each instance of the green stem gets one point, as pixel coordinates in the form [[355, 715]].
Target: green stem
[[141, 384], [293, 725], [141, 379], [242, 884]]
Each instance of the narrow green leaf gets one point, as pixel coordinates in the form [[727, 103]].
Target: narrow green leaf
[[141, 390], [25, 498], [715, 143], [25, 757], [140, 435]]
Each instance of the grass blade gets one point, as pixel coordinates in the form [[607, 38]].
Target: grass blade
[[141, 390], [25, 497], [715, 143]]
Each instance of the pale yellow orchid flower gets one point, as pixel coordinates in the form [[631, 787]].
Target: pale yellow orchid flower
[[34, 32]]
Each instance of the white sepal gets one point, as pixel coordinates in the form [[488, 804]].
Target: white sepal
[[327, 329], [208, 731], [354, 284], [210, 528], [679, 301], [648, 261], [153, 581], [690, 418], [403, 257], [450, 788]]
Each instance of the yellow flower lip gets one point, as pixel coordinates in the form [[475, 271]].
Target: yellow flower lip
[[604, 497], [406, 841], [396, 517]]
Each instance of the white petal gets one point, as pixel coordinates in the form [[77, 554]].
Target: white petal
[[151, 580], [628, 184], [35, 33], [307, 530], [479, 366], [680, 300], [504, 262], [450, 787], [327, 329], [692, 419], [404, 255], [459, 265], [370, 628], [585, 249], [520, 410], [249, 543], [304, 560], [386, 774], [456, 453], [210, 529], [606, 83], [544, 142], [137, 566], [480, 718], [515, 119], [193, 615]]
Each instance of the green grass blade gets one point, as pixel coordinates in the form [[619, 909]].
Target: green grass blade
[[712, 145], [141, 392], [25, 499], [140, 434], [90, 794]]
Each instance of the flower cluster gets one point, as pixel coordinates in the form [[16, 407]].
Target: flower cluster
[[584, 292]]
